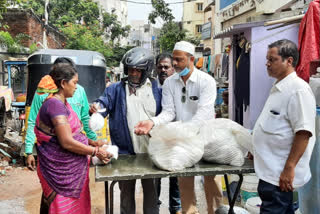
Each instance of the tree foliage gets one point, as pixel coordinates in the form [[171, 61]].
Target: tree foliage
[[160, 9], [84, 24], [7, 3], [113, 27], [65, 11], [171, 32], [13, 44]]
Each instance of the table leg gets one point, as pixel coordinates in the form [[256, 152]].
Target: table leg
[[106, 193], [232, 200], [111, 195]]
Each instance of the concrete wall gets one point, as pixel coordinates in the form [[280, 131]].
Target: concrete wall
[[239, 19], [270, 6]]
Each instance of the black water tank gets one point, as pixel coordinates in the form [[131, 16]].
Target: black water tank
[[91, 67]]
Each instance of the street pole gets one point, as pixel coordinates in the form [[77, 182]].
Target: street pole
[[46, 17]]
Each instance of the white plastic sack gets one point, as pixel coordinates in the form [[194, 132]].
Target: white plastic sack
[[175, 146], [114, 150], [226, 142], [96, 122]]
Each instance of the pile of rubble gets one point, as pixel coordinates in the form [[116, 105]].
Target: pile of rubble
[[10, 147], [4, 167]]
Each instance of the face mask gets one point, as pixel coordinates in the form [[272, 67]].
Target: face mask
[[184, 72]]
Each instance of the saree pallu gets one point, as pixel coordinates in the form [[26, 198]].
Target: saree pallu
[[62, 173]]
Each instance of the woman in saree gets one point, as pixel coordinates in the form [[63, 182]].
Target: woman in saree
[[63, 150]]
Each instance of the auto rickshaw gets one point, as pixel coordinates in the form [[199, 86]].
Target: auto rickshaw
[[91, 67]]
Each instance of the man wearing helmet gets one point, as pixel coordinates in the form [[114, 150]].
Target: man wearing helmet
[[188, 95], [135, 98]]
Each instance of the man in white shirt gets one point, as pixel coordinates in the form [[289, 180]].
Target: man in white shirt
[[164, 68], [283, 135], [187, 95]]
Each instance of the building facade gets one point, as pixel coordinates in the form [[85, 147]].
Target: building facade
[[143, 35], [208, 27], [231, 12], [193, 17], [245, 25]]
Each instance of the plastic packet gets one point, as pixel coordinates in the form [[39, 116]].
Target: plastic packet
[[96, 122], [114, 150], [175, 146], [226, 142]]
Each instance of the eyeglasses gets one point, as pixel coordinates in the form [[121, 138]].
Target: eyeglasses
[[183, 97]]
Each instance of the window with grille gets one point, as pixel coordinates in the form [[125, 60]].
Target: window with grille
[[199, 7], [198, 28]]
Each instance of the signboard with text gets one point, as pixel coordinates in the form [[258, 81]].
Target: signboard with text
[[206, 31]]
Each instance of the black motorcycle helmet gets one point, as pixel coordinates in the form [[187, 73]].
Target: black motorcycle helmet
[[139, 58]]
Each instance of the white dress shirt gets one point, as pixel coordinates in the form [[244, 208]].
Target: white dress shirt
[[141, 106], [289, 108], [200, 96]]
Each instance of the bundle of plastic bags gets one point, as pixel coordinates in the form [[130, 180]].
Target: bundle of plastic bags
[[226, 142], [176, 146]]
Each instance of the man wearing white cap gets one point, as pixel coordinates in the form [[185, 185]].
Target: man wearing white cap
[[188, 95]]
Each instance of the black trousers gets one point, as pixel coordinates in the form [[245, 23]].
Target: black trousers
[[274, 200]]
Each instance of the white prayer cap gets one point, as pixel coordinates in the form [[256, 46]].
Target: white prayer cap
[[184, 46]]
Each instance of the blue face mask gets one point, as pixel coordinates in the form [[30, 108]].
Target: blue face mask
[[184, 72]]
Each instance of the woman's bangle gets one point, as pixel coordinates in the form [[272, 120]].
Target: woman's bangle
[[93, 152], [96, 150]]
